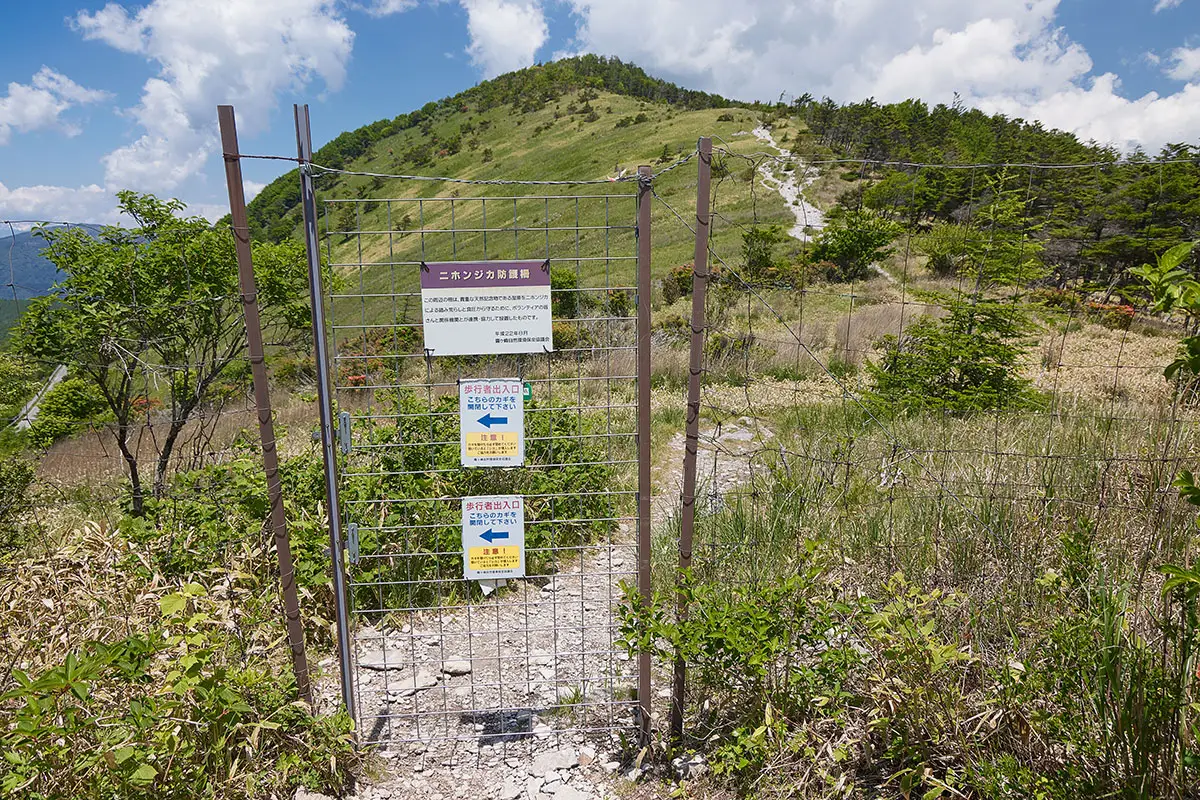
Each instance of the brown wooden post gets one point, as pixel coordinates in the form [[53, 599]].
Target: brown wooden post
[[687, 519], [262, 398], [643, 433]]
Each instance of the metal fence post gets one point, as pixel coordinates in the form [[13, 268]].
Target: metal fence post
[[687, 520], [325, 401], [262, 398], [643, 432]]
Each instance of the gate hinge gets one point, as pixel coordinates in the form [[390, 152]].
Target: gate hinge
[[344, 433], [352, 542]]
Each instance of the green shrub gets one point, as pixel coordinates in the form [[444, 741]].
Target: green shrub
[[564, 293], [618, 303], [416, 543], [855, 240], [18, 382], [211, 515], [568, 335], [65, 410], [164, 714], [678, 282], [966, 362], [16, 476]]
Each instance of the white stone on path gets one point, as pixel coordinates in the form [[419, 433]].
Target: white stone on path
[[545, 763], [458, 666], [407, 687]]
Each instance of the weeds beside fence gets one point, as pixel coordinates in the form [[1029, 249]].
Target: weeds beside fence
[[938, 548]]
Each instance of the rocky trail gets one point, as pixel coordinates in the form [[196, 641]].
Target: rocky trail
[[523, 695], [790, 184]]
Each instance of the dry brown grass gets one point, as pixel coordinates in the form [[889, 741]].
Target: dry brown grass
[[93, 458], [1099, 363]]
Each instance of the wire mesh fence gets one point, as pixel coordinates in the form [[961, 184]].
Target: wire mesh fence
[[485, 664], [951, 378]]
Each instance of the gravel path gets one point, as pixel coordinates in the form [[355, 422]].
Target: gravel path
[[522, 695], [791, 185]]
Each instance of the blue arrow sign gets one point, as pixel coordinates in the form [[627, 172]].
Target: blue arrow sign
[[487, 420], [490, 536]]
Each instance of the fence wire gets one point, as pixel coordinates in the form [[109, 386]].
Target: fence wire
[[848, 407], [467, 669]]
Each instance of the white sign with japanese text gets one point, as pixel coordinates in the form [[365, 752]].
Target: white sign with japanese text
[[491, 422], [486, 307], [493, 537]]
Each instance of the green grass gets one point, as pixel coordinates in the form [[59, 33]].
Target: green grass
[[362, 213]]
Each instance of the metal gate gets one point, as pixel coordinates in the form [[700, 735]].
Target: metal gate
[[428, 655]]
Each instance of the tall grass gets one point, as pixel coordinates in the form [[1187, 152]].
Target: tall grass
[[996, 580]]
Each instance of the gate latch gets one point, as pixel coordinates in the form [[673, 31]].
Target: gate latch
[[344, 433], [352, 542]]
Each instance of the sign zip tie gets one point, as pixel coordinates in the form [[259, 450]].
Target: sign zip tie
[[344, 443], [352, 542]]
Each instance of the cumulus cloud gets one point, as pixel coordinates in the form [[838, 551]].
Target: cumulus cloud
[[1184, 64], [209, 52], [505, 34], [383, 8], [1163, 5], [40, 104], [1009, 56], [89, 203]]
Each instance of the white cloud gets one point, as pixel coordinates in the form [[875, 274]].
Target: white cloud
[[1163, 5], [40, 104], [505, 34], [210, 52], [89, 203], [252, 188], [1009, 56], [1185, 64], [383, 8]]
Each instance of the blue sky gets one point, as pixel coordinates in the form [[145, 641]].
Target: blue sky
[[99, 96]]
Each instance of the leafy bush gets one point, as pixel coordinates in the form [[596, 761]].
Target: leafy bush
[[1118, 316], [568, 335], [165, 714], [18, 382], [678, 282], [417, 542], [212, 513], [564, 293], [964, 363], [855, 240], [16, 476], [65, 410], [948, 245]]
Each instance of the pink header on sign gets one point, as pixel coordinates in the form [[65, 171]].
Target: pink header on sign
[[484, 274]]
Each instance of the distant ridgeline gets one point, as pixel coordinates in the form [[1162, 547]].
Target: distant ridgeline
[[526, 90], [1091, 223], [24, 273], [31, 273]]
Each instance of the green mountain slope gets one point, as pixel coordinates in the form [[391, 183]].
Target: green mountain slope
[[593, 119], [558, 122], [273, 212]]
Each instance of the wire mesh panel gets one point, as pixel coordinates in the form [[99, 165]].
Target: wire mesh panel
[[486, 663], [964, 427]]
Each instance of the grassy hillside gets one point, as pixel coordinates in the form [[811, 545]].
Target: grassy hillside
[[378, 228]]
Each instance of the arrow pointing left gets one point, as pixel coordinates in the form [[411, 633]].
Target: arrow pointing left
[[490, 536]]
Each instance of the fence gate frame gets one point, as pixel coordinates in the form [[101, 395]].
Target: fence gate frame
[[344, 534]]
